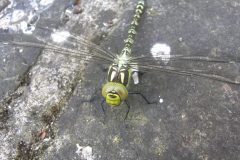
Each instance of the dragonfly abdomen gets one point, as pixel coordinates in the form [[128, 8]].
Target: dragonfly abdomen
[[128, 43]]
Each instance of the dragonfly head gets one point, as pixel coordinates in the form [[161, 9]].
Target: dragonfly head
[[114, 93]]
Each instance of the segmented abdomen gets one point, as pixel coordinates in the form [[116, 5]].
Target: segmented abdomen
[[133, 27]]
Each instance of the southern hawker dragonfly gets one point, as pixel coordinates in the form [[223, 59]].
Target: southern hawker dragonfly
[[124, 66]]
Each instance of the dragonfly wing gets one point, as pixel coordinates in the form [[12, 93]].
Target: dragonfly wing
[[81, 49], [194, 66]]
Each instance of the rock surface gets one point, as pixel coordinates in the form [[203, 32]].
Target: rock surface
[[50, 103]]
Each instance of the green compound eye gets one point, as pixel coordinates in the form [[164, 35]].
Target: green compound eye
[[114, 93], [113, 99]]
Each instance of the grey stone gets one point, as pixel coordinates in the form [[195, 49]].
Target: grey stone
[[51, 106]]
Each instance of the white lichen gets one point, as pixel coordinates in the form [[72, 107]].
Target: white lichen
[[161, 51], [85, 152], [60, 36]]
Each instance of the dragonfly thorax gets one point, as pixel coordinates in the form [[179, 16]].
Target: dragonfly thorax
[[123, 59], [119, 74]]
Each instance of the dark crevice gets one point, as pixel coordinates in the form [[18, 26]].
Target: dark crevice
[[10, 96], [4, 3]]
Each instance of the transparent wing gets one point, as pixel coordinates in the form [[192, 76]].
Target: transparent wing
[[220, 69], [72, 46], [172, 58]]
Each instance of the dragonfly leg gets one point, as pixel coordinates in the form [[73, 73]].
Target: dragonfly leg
[[128, 109], [146, 100], [102, 105]]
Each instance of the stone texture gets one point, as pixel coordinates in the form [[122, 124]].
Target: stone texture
[[50, 106]]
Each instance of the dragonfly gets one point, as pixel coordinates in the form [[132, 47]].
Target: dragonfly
[[124, 66]]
